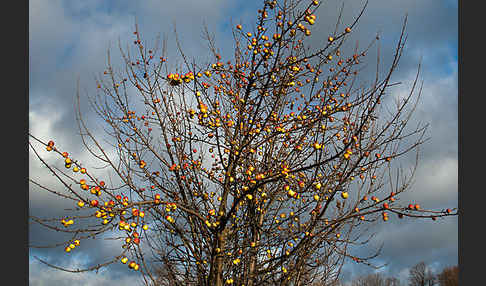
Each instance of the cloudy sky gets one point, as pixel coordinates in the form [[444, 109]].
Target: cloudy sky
[[68, 40]]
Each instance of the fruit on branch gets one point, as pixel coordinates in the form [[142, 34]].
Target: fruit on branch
[[310, 19], [385, 216], [291, 193], [174, 79], [67, 223], [348, 153], [132, 264]]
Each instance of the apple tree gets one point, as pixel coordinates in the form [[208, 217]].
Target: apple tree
[[265, 168]]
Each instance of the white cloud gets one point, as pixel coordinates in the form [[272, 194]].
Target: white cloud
[[40, 275], [437, 181]]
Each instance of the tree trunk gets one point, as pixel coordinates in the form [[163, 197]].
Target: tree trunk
[[253, 251], [216, 271]]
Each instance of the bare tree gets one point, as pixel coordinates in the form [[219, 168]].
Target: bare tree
[[421, 275], [392, 281], [449, 276], [374, 279], [263, 169]]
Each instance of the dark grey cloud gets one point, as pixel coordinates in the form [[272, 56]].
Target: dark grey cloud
[[408, 242], [69, 40]]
